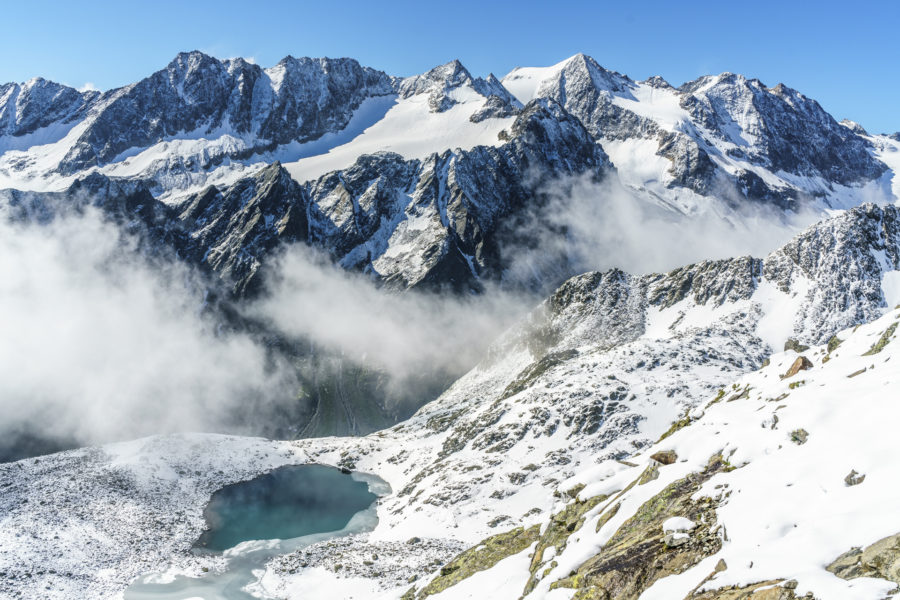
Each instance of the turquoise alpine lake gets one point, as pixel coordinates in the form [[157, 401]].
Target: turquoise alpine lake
[[253, 521], [286, 503]]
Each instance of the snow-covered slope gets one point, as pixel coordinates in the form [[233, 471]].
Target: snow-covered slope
[[595, 374], [201, 119], [887, 149], [441, 110], [778, 482], [234, 107]]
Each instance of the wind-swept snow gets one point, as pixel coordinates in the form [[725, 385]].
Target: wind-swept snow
[[410, 129]]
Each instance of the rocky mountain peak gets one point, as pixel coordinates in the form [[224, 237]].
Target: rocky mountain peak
[[442, 77], [191, 60], [582, 74], [763, 125], [300, 100], [854, 127], [656, 81], [445, 85], [37, 103]]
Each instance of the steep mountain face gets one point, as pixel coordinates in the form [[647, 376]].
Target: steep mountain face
[[126, 203], [527, 459], [604, 367], [434, 181], [202, 121], [297, 100], [39, 103], [770, 144], [231, 231], [443, 83], [778, 128], [435, 222]]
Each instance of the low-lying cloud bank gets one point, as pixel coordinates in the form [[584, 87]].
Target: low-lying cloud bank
[[99, 342], [401, 333], [587, 226]]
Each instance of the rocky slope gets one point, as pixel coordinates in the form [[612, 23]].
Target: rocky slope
[[409, 223], [775, 488], [37, 104], [425, 183], [196, 94]]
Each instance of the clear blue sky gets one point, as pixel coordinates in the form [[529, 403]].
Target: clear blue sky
[[846, 55]]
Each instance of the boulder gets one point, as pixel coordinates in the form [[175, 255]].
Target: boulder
[[801, 364], [854, 478], [665, 457]]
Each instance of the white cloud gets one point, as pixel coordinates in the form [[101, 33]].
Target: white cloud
[[607, 225], [101, 343], [405, 334]]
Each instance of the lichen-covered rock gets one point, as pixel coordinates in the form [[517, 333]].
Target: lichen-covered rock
[[799, 436], [883, 341], [881, 559], [796, 346], [483, 556], [561, 526], [665, 457], [764, 590], [637, 554]]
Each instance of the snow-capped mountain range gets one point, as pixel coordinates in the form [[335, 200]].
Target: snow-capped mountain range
[[385, 169], [199, 112]]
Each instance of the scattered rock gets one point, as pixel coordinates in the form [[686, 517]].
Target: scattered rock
[[555, 537], [833, 343], [883, 341], [481, 557], [854, 478], [799, 436], [650, 474], [665, 457], [763, 590], [801, 364], [796, 346], [573, 493], [673, 540], [790, 584], [636, 555]]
